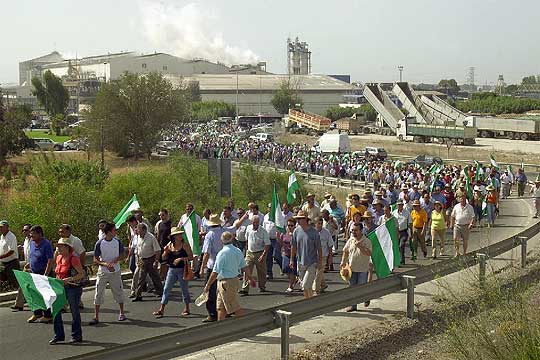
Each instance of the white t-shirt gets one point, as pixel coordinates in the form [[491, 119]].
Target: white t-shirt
[[147, 246], [8, 242], [108, 251], [463, 215], [257, 239]]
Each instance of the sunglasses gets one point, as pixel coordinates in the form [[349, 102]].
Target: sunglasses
[[25, 230]]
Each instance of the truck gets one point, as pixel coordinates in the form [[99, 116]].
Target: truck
[[409, 130], [313, 122], [524, 128], [351, 125], [333, 143]]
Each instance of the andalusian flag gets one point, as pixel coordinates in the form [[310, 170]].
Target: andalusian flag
[[511, 173], [522, 165], [468, 184], [42, 292], [191, 233], [397, 165], [131, 205], [435, 169], [493, 162], [384, 248], [478, 171], [292, 187], [276, 215]]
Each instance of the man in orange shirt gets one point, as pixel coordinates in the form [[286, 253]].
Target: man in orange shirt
[[419, 219], [356, 207]]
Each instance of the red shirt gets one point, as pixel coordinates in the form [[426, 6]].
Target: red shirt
[[64, 264]]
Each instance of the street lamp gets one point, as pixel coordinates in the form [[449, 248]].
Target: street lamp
[[400, 68]]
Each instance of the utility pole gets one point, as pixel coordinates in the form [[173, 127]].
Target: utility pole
[[237, 94], [400, 68]]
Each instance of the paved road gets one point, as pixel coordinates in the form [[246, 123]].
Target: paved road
[[25, 341]]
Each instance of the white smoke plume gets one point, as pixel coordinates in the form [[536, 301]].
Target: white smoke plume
[[189, 31]]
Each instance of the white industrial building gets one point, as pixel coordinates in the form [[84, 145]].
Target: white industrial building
[[255, 86], [256, 91]]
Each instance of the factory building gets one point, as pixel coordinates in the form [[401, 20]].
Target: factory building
[[254, 92]]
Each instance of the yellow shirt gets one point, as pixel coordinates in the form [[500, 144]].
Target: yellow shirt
[[356, 209], [419, 218], [437, 220]]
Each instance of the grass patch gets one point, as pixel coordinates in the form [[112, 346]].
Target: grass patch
[[45, 134]]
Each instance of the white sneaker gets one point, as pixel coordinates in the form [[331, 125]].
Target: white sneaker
[[289, 290]]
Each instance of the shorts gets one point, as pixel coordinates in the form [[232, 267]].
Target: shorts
[[285, 265], [227, 295], [448, 213], [461, 232], [307, 275]]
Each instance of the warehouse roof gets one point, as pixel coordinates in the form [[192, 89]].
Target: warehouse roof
[[247, 82]]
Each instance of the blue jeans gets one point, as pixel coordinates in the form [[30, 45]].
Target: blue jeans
[[174, 275], [358, 278], [274, 253], [73, 295], [491, 214]]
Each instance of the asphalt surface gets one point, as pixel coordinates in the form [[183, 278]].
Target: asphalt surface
[[21, 340]]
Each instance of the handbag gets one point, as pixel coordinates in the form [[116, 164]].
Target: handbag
[[85, 281], [188, 272]]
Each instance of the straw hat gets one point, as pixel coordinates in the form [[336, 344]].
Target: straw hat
[[214, 220], [416, 203], [404, 187], [310, 195], [345, 272], [490, 187], [301, 215], [399, 202], [376, 201], [65, 241], [367, 215], [437, 203], [327, 195], [378, 193], [176, 230]]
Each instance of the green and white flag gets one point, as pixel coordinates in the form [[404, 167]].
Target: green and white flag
[[478, 171], [384, 248], [292, 187], [397, 165], [468, 184], [131, 205], [522, 165], [493, 162], [511, 173], [276, 215], [435, 169], [42, 292], [191, 233]]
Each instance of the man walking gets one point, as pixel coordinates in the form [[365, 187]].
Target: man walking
[[148, 251], [404, 227], [462, 222], [326, 245], [306, 246], [108, 253], [275, 250], [419, 219], [226, 270], [258, 246], [9, 257]]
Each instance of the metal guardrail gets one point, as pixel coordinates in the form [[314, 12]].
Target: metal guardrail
[[201, 337]]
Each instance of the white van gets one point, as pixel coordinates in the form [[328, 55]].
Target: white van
[[262, 137], [333, 143]]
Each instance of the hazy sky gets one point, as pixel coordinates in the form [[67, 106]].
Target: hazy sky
[[366, 39]]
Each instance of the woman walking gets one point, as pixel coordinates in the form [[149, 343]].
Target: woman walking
[[285, 243], [492, 201], [68, 269], [177, 254], [438, 229]]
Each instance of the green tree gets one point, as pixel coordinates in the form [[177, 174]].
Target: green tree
[[530, 80], [286, 97], [369, 112], [53, 96], [337, 112], [209, 110], [13, 121], [134, 112], [194, 91], [449, 86]]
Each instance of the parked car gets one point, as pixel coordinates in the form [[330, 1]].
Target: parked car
[[166, 146], [76, 144], [46, 144], [426, 160], [262, 137], [375, 153]]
